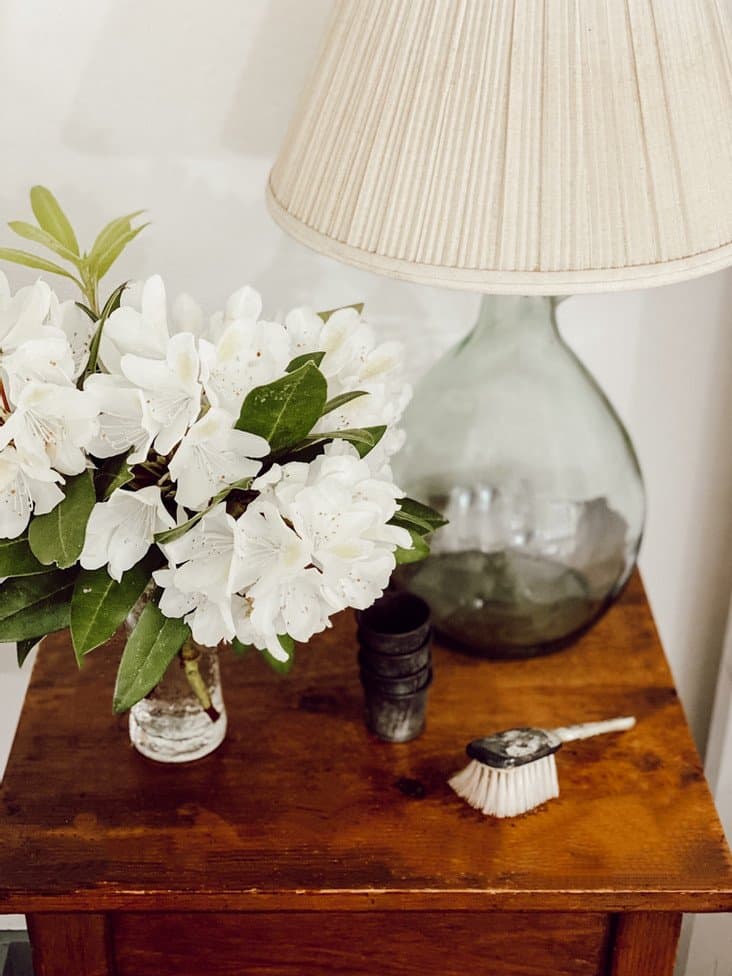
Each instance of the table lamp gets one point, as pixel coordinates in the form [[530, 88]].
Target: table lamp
[[523, 149]]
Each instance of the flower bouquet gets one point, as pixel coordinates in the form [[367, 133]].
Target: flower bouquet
[[234, 471]]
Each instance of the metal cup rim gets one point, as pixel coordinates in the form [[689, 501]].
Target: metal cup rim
[[378, 645], [378, 686], [381, 606]]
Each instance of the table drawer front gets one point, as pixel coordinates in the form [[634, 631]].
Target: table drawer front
[[361, 944]]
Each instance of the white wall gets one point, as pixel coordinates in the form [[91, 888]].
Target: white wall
[[180, 107], [711, 939]]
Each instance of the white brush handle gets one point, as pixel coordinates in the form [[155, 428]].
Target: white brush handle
[[571, 732]]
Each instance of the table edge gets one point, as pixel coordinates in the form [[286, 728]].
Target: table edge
[[359, 900]]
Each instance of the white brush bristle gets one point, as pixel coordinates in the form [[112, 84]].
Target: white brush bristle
[[507, 792]]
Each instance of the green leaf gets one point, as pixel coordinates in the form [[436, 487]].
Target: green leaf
[[52, 219], [170, 535], [339, 401], [58, 537], [150, 648], [363, 446], [420, 549], [100, 604], [111, 305], [241, 650], [305, 453], [414, 514], [307, 357], [105, 260], [87, 310], [29, 260], [177, 531], [331, 311], [110, 235], [288, 645], [17, 559], [32, 233], [405, 522], [35, 605], [113, 474], [24, 647], [284, 412], [364, 439]]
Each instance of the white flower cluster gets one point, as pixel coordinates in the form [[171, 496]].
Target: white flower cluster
[[313, 538], [315, 541], [47, 424]]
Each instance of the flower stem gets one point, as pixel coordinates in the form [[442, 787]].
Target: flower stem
[[189, 655]]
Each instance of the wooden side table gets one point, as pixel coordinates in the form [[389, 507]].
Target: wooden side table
[[305, 846]]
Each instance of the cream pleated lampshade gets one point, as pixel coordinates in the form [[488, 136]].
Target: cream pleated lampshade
[[531, 146]]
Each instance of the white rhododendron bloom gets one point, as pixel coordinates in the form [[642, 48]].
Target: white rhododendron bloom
[[315, 541], [26, 487], [250, 573], [52, 424], [121, 429], [343, 511], [170, 389], [46, 424], [204, 554], [294, 606], [266, 549], [213, 455], [248, 354], [141, 326], [23, 315], [41, 340], [47, 360], [78, 329], [196, 584], [245, 305], [121, 530], [353, 361], [211, 621]]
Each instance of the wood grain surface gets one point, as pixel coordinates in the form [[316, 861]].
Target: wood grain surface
[[645, 944], [78, 944], [387, 944], [302, 809]]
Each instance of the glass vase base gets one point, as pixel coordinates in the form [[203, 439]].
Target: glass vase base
[[177, 739], [503, 604]]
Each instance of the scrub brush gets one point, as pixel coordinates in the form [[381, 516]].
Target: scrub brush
[[514, 771]]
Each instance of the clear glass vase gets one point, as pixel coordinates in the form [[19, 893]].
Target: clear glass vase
[[170, 724], [512, 439]]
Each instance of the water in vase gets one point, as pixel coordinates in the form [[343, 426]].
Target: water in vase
[[527, 589]]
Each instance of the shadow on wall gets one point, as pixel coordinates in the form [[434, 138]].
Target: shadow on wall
[[280, 58], [188, 104], [167, 72], [683, 406]]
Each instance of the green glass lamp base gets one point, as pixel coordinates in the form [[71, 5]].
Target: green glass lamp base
[[515, 443]]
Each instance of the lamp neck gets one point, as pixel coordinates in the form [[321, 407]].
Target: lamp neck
[[516, 315]]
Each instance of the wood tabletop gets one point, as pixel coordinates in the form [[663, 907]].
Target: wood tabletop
[[302, 809]]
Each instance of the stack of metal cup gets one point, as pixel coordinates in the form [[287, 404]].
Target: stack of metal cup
[[395, 656]]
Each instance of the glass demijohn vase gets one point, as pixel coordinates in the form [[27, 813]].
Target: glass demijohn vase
[[511, 438], [170, 724]]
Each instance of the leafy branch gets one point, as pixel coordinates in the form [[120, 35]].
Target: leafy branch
[[54, 232]]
